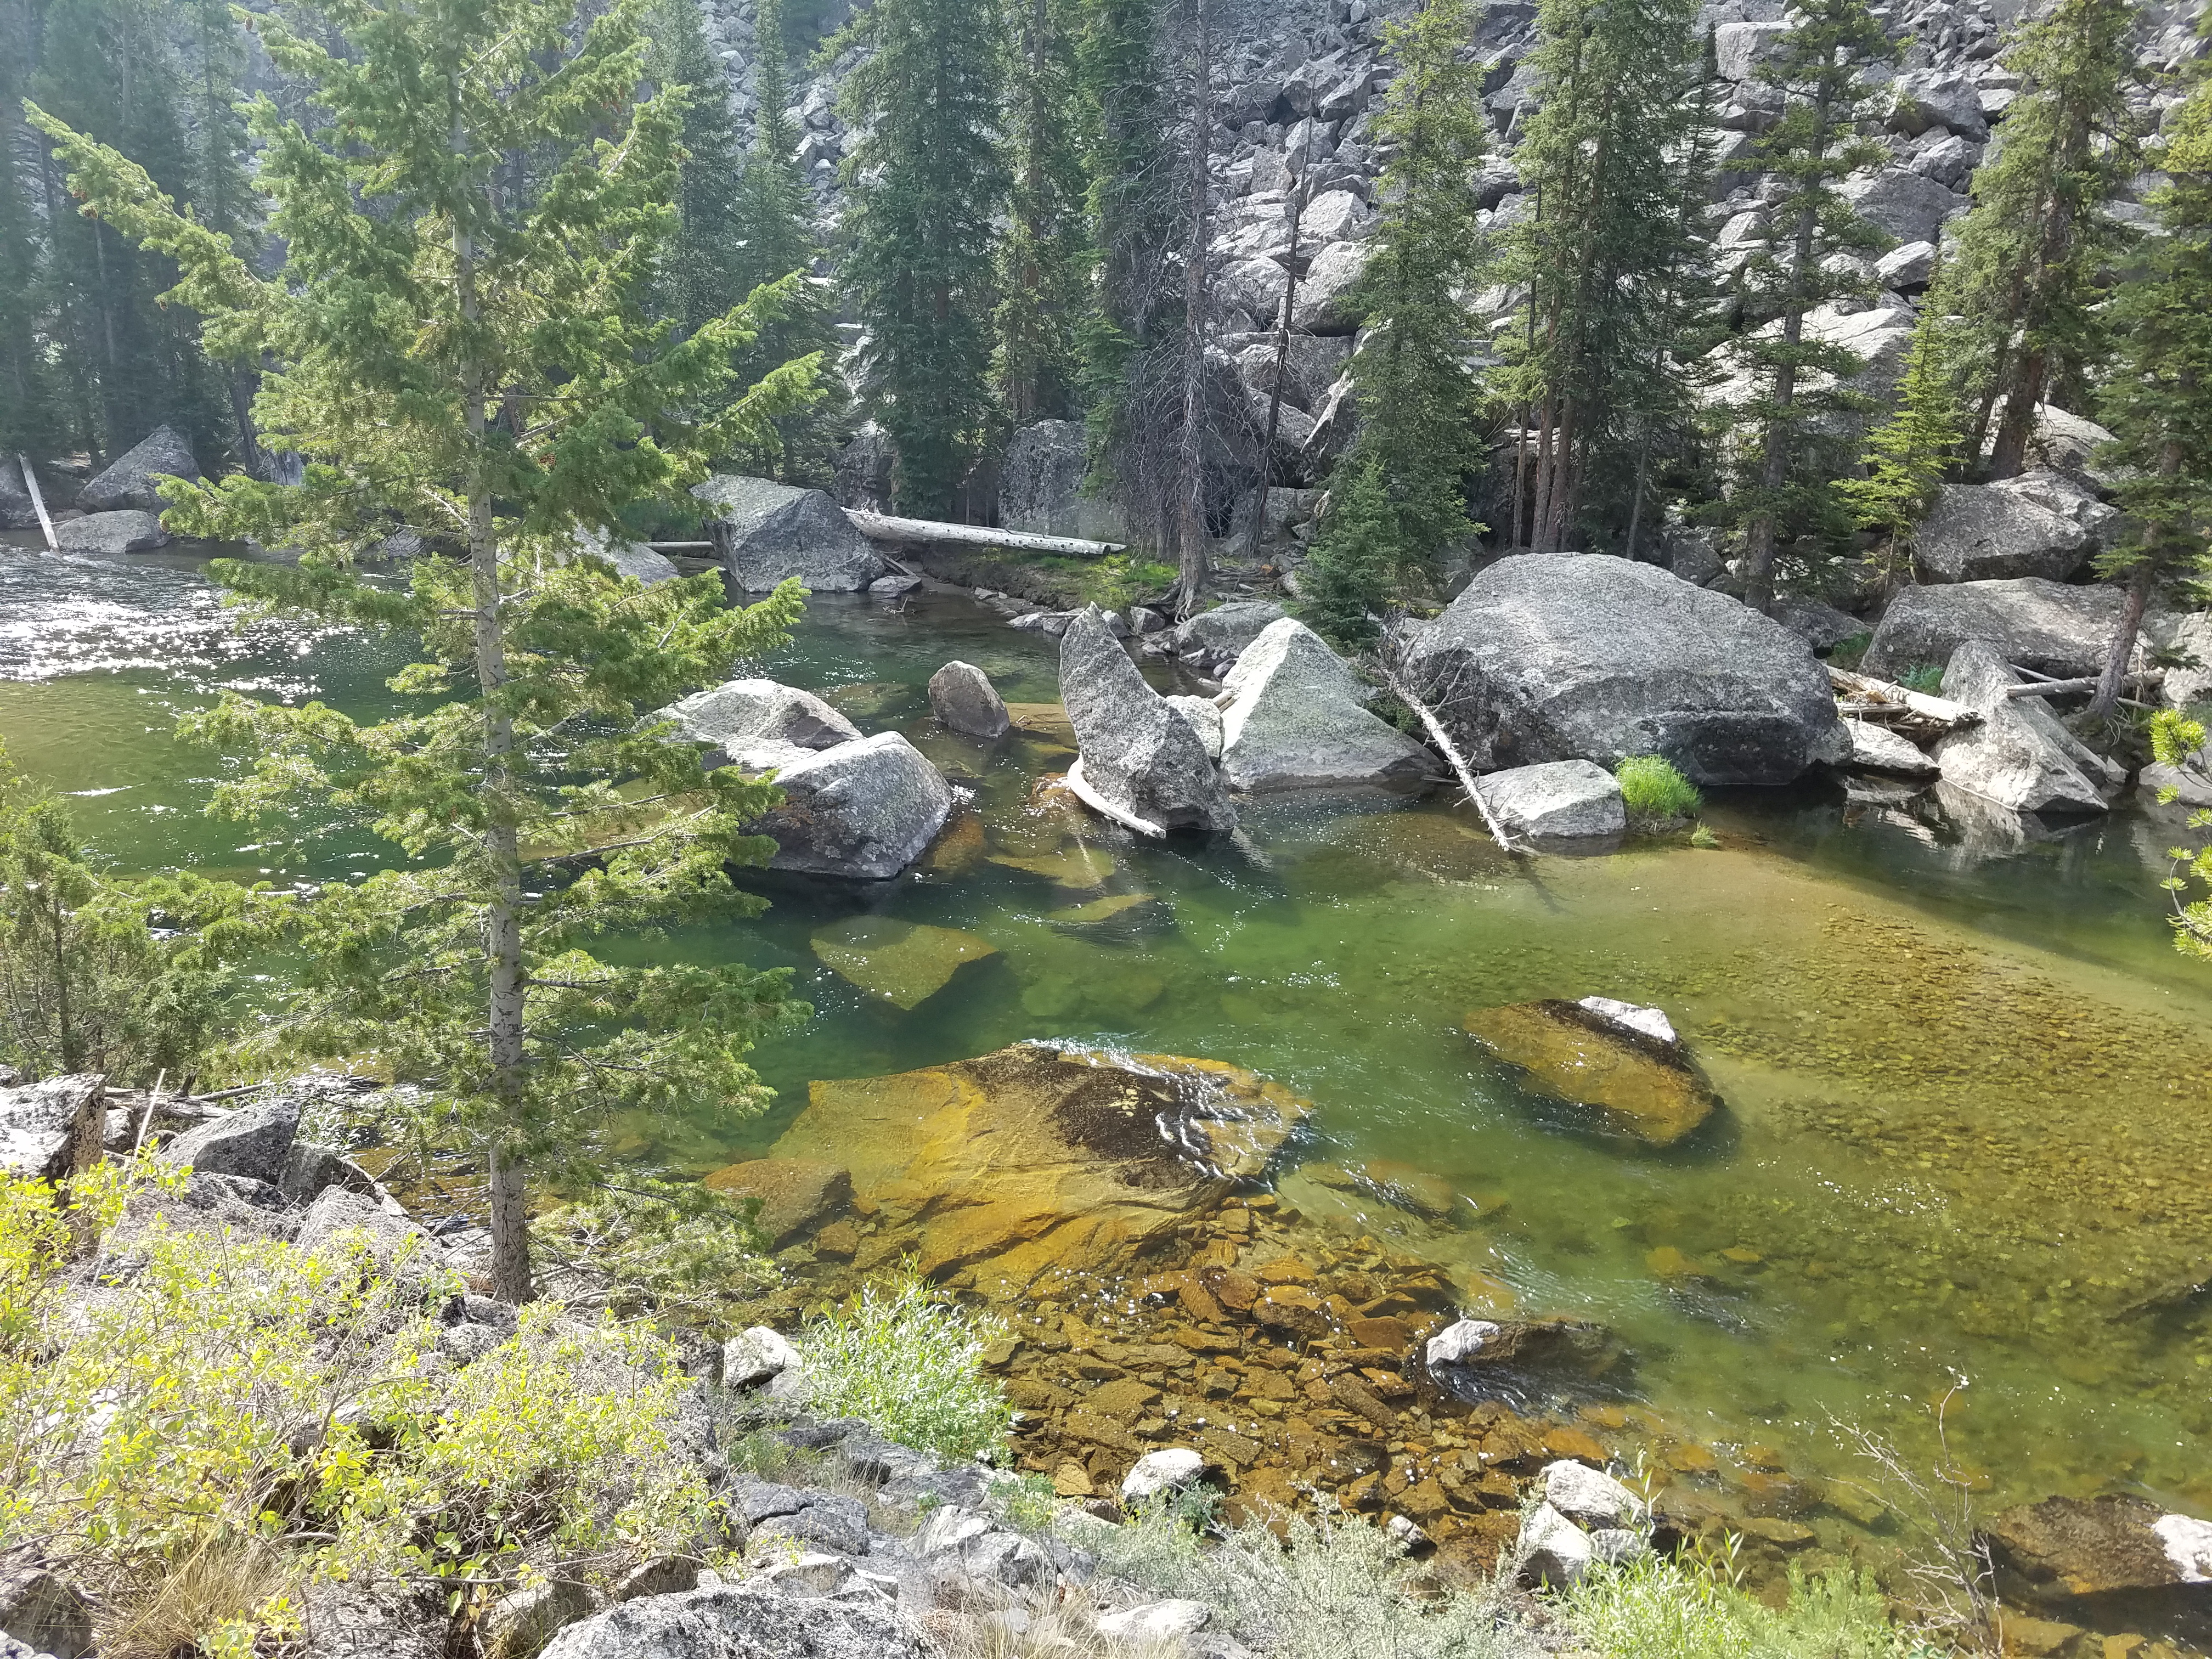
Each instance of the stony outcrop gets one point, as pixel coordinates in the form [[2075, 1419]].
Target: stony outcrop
[[131, 480], [1139, 757], [767, 533], [1615, 1068], [1296, 718], [47, 1128], [740, 1621], [1557, 800], [109, 534], [1597, 658], [733, 715], [2032, 623], [962, 695], [866, 808], [2018, 755], [1041, 485], [1993, 532]]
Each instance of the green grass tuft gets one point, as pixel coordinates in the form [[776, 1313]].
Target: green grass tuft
[[1654, 792]]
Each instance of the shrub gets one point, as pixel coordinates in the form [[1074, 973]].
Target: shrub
[[906, 1359], [1654, 792], [1657, 1608]]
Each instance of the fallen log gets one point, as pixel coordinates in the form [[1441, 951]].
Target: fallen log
[[2080, 687], [1940, 710], [880, 527], [1397, 688], [1079, 786], [38, 501]]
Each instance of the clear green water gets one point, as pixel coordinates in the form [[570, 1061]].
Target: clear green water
[[1969, 1123]]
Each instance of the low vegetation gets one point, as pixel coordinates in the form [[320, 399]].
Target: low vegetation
[[909, 1360], [1656, 794]]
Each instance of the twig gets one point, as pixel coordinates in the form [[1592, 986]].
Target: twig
[[1399, 690], [146, 1117]]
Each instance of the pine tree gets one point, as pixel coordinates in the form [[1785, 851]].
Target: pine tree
[[706, 268], [221, 194], [927, 182], [1909, 454], [1418, 439], [477, 360], [1820, 71], [2025, 274], [31, 417], [1600, 161], [1045, 269], [2158, 396]]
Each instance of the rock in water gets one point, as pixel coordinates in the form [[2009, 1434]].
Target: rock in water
[[867, 808], [1558, 801], [2044, 625], [16, 511], [1162, 1472], [797, 1195], [962, 695], [1877, 749], [743, 711], [130, 481], [1626, 1077], [2019, 756], [1595, 658], [1205, 719], [2066, 1547], [903, 962], [1988, 533], [1296, 720], [1214, 639], [738, 1621], [1138, 754], [112, 533], [1516, 1358], [767, 532]]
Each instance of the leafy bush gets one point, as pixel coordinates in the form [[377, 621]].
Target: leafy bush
[[1654, 792], [1657, 1608], [2179, 741], [908, 1361]]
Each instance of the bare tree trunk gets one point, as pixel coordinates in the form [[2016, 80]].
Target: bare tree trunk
[[1296, 208], [2141, 580], [2016, 428], [1190, 482]]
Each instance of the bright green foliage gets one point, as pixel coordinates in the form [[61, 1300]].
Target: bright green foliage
[[1602, 155], [676, 1247], [1784, 489], [1045, 264], [2178, 741], [927, 182], [1654, 792], [478, 363], [1657, 1608], [910, 1362], [2026, 275], [1418, 439], [86, 985], [2158, 394], [1909, 454]]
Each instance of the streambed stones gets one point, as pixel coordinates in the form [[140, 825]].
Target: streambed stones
[[1614, 1066]]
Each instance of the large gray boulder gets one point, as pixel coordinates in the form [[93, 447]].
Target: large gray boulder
[[865, 809], [1323, 305], [16, 511], [628, 558], [1214, 639], [766, 533], [130, 480], [46, 1613], [2189, 635], [1986, 532], [1910, 208], [2018, 756], [1041, 485], [1297, 719], [1572, 799], [1935, 98], [2033, 622], [739, 713], [1595, 658], [254, 1141], [108, 534], [962, 695], [740, 1622], [42, 1124], [1139, 757]]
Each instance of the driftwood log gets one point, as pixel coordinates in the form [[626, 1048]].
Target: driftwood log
[[38, 501], [880, 527], [1871, 697]]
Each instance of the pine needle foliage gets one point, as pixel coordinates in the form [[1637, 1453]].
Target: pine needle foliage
[[1420, 435], [704, 274], [1909, 455], [1046, 262], [476, 361]]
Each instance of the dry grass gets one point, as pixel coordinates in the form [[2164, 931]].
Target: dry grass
[[169, 1614], [1045, 1625]]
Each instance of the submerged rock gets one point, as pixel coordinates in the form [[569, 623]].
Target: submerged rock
[[796, 1195], [742, 712], [904, 962], [1595, 658], [1139, 757], [2064, 1548], [112, 533], [1620, 1069], [865, 809], [2018, 755], [962, 695], [130, 481], [1488, 1359], [767, 533], [1557, 801], [1296, 718]]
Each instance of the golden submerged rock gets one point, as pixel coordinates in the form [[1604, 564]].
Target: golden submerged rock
[[1633, 1084], [904, 962]]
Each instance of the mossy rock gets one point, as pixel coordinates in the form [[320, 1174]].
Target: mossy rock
[[1626, 1082], [904, 962]]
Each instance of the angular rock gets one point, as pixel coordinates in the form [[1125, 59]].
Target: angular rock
[[633, 559], [740, 1622], [1219, 636], [1323, 305], [1297, 719], [1587, 1497], [2043, 625], [389, 1238], [255, 1141], [1933, 98], [1910, 208], [1552, 1551], [1140, 756], [1162, 1472], [2066, 495], [905, 962], [129, 482], [43, 1613], [1876, 748], [519, 1623], [755, 1355], [962, 695], [1987, 533], [892, 587], [1205, 719], [2069, 1548], [2062, 441], [797, 1195], [2019, 756], [1820, 625], [739, 713], [1479, 1357], [1617, 1073], [2189, 637], [47, 1128], [1041, 485], [956, 1536], [2187, 786], [16, 511], [1157, 1622], [766, 533], [866, 809], [1595, 658], [1906, 268], [107, 534], [1558, 800]]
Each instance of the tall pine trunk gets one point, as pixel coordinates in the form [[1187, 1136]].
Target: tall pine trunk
[[2140, 581], [1190, 483]]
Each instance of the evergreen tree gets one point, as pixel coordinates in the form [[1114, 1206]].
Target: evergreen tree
[[706, 269], [2158, 397], [1045, 269], [1909, 454], [455, 354], [2025, 273], [927, 182], [221, 194], [1417, 438], [1820, 71], [1599, 158], [31, 418]]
